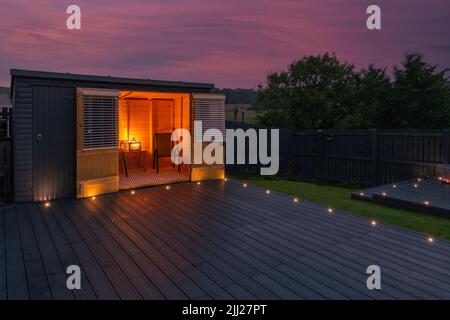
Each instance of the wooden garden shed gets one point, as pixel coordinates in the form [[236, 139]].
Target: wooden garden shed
[[82, 135]]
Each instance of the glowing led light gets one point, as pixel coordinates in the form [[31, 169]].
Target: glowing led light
[[430, 240], [267, 191], [361, 194], [225, 179], [419, 179], [394, 186], [198, 182], [93, 198], [373, 223], [167, 187], [384, 194], [416, 185], [47, 204], [244, 185], [330, 210], [427, 203], [295, 200], [132, 191], [440, 178]]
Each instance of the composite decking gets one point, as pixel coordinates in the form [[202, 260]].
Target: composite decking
[[426, 195], [214, 240]]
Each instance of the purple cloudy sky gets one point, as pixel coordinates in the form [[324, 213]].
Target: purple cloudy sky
[[233, 43]]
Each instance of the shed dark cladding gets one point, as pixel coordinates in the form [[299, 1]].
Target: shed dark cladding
[[45, 101]]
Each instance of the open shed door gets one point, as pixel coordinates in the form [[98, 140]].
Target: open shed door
[[97, 142], [208, 108]]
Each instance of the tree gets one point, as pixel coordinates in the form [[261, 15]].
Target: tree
[[319, 92], [373, 95], [315, 92], [421, 95]]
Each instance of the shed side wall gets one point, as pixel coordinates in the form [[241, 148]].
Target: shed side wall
[[23, 141]]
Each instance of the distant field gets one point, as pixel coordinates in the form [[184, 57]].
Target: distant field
[[250, 117]]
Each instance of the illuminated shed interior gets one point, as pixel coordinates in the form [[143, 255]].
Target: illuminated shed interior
[[142, 117]]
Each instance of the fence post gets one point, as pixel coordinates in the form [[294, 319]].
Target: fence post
[[374, 156]]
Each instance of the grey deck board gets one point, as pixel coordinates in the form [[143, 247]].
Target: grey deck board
[[240, 257], [55, 271], [447, 278], [191, 271], [210, 247], [406, 195], [16, 278], [252, 250], [190, 288], [143, 285], [2, 255], [66, 253], [217, 260], [216, 240], [399, 247], [158, 277], [118, 278], [88, 264], [36, 276]]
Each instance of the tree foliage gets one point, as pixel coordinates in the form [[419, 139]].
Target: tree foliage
[[322, 92]]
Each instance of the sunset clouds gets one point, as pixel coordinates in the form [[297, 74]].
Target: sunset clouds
[[233, 43]]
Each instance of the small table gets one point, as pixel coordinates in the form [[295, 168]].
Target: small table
[[142, 156]]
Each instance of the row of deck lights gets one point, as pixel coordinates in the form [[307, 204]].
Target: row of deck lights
[[330, 211], [296, 200]]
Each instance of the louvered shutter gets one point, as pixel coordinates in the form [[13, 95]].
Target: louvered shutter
[[100, 121], [210, 109]]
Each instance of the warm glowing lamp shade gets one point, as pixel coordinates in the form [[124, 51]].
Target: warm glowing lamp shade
[[131, 145], [134, 146]]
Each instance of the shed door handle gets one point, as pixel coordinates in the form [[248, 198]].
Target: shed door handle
[[39, 137]]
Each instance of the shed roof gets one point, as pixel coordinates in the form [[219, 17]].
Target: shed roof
[[105, 79]]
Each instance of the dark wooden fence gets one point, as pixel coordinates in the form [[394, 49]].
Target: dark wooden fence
[[362, 157]]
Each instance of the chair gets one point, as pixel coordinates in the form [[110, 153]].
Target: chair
[[162, 147]]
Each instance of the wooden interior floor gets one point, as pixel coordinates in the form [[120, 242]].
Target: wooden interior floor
[[214, 240], [138, 177]]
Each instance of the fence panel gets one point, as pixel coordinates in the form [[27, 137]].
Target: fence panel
[[363, 157]]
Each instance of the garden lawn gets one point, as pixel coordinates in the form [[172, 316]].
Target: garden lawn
[[339, 198]]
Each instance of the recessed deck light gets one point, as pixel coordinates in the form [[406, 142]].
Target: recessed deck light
[[167, 187], [384, 194], [430, 240], [373, 223], [132, 192], [267, 191], [47, 204], [361, 194], [93, 198], [426, 202], [199, 182], [330, 210], [416, 185], [296, 200], [394, 186], [244, 185]]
